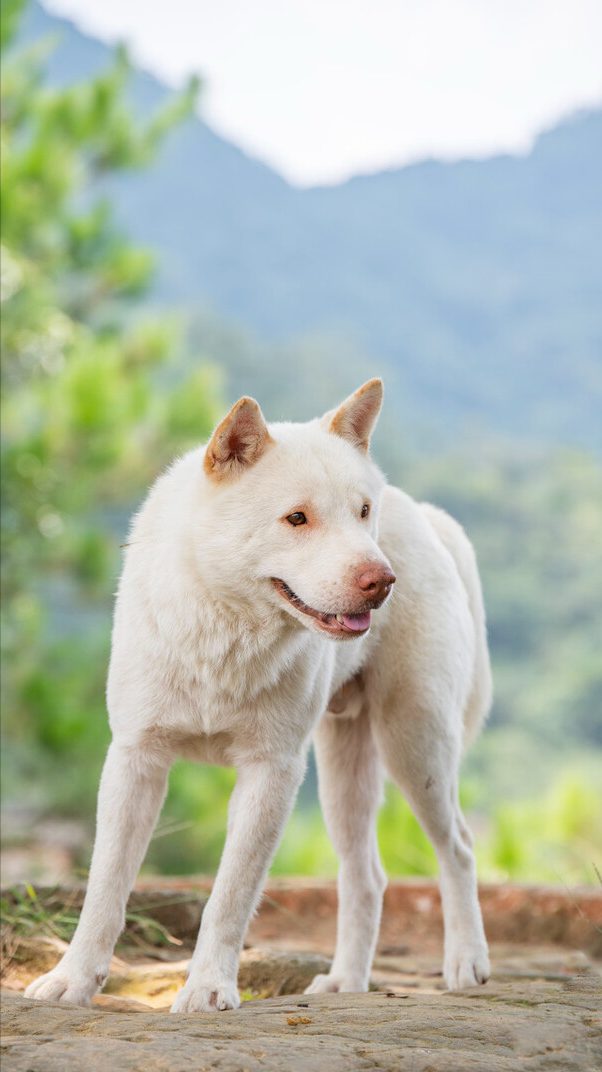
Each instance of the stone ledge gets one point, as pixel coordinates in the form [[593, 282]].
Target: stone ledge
[[412, 912], [498, 1028]]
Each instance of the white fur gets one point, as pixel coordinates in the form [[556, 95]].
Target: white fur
[[209, 662]]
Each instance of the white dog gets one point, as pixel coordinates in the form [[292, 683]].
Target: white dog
[[248, 562]]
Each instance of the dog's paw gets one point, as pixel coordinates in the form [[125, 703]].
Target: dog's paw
[[196, 997], [468, 966], [335, 984], [59, 985]]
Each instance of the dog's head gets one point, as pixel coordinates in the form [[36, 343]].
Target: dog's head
[[291, 512]]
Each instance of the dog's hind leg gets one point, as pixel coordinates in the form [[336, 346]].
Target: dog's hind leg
[[131, 792], [350, 785], [422, 754]]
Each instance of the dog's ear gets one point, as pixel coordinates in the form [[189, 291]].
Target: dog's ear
[[238, 442], [356, 416]]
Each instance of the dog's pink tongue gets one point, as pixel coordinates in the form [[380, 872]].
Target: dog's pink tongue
[[359, 622]]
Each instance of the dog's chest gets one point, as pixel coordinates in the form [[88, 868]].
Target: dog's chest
[[256, 682], [190, 669]]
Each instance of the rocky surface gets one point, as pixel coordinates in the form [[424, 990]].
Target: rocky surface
[[262, 973], [507, 1026], [540, 1012]]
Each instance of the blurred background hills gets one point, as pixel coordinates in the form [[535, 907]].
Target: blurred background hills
[[473, 288], [476, 284]]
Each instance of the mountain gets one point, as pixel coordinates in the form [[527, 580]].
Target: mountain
[[476, 285]]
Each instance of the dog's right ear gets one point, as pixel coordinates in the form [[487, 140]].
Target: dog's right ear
[[238, 442]]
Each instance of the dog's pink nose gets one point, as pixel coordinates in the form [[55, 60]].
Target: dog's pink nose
[[376, 581]]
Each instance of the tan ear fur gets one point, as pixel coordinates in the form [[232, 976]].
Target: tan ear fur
[[356, 416], [238, 442]]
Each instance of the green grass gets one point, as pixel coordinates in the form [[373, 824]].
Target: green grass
[[27, 913]]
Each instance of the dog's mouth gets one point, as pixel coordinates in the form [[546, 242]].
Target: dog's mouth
[[337, 625]]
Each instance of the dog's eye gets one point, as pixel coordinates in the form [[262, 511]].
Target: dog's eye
[[365, 509], [297, 518]]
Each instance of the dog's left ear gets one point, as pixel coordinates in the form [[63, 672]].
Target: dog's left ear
[[238, 442], [356, 416]]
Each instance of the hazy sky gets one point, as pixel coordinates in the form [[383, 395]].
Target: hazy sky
[[322, 89]]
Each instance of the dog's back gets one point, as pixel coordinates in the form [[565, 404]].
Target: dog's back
[[454, 538], [437, 608]]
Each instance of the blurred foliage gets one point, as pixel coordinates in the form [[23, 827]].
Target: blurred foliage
[[89, 411], [556, 838], [98, 396]]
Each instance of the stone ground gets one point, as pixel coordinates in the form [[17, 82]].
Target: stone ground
[[542, 1009]]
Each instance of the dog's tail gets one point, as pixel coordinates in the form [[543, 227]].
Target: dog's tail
[[454, 538]]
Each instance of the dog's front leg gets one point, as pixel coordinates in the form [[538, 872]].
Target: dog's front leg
[[131, 792], [261, 803]]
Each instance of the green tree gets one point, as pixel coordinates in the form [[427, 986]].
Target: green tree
[[91, 406]]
